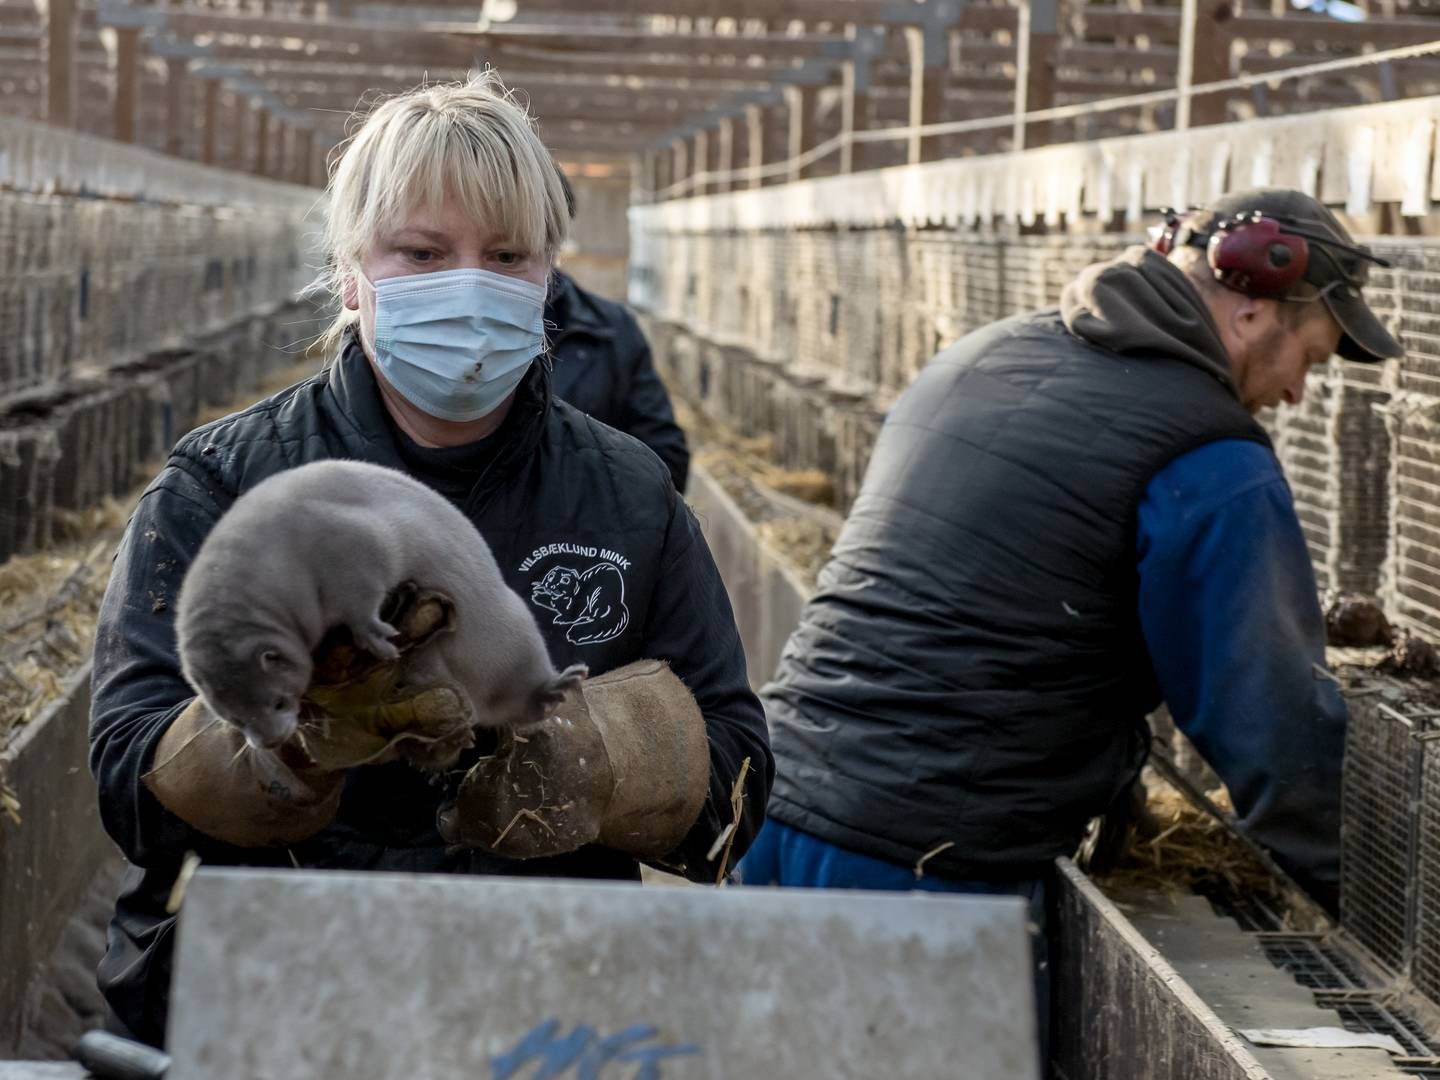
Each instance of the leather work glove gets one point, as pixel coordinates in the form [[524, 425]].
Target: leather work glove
[[358, 710], [624, 762]]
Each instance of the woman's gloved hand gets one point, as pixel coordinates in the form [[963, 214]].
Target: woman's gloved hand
[[624, 762], [358, 710]]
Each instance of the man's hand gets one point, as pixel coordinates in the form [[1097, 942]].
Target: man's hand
[[624, 762]]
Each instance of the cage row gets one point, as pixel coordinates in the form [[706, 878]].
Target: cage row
[[94, 439], [88, 284]]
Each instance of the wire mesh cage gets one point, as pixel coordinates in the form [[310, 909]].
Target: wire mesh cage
[[1379, 835], [1426, 965]]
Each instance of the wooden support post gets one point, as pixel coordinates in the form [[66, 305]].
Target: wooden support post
[[60, 68], [800, 103], [664, 173], [281, 141], [262, 141], [755, 130], [928, 58], [724, 154], [1037, 44], [1210, 62], [851, 113], [855, 82], [127, 82], [320, 163], [305, 157], [239, 135], [681, 167], [700, 163], [175, 140], [645, 172], [210, 129]]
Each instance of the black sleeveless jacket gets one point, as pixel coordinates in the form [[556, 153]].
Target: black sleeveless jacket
[[970, 678]]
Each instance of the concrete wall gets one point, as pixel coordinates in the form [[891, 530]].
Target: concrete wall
[[766, 594], [1123, 1013], [48, 859]]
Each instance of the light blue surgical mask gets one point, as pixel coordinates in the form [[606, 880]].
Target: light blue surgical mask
[[455, 344]]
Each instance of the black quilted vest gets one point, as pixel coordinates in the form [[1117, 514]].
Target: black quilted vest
[[970, 678]]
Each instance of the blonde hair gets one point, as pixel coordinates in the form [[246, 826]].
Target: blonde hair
[[469, 140]]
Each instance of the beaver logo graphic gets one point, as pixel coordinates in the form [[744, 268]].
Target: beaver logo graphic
[[591, 604]]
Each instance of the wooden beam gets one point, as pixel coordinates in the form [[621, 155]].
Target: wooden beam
[[1037, 45], [928, 59], [1210, 62], [755, 122], [191, 22], [305, 157], [612, 149], [857, 81], [512, 65], [560, 112], [544, 103], [652, 100], [851, 113], [210, 122], [127, 82], [740, 72], [700, 160], [17, 15], [284, 149], [619, 128], [456, 44], [645, 177], [60, 62], [806, 11], [240, 135], [1304, 30], [680, 170], [175, 107], [623, 43], [724, 153], [664, 172], [534, 83], [984, 54], [262, 141], [1114, 58], [836, 12], [800, 105]]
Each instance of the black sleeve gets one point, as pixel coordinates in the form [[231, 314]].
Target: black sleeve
[[137, 687], [691, 626], [645, 409]]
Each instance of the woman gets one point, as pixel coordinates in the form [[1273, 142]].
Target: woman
[[445, 214]]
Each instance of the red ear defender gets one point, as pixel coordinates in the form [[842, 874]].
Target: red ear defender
[[1162, 237], [1252, 256]]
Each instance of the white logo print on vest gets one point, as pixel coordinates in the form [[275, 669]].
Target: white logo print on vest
[[589, 602]]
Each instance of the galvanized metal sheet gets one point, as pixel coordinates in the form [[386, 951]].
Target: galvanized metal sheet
[[304, 974]]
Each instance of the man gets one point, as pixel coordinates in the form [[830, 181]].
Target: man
[[444, 217], [603, 367], [1068, 518]]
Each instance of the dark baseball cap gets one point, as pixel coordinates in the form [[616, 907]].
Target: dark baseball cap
[[1336, 270]]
